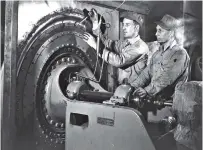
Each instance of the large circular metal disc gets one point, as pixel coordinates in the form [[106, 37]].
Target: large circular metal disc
[[51, 52]]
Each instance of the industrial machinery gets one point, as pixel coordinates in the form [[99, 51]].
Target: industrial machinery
[[117, 114], [117, 123], [56, 68], [49, 56]]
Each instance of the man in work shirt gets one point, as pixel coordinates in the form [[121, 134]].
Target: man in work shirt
[[129, 55], [168, 65]]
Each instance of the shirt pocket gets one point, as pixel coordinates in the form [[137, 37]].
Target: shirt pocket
[[167, 64]]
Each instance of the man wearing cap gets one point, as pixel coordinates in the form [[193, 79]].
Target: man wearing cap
[[168, 65], [129, 55]]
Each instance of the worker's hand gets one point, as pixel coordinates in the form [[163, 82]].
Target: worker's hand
[[93, 15], [141, 92], [90, 40], [96, 22]]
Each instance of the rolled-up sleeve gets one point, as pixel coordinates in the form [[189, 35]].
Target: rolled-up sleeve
[[143, 79], [170, 70], [123, 58]]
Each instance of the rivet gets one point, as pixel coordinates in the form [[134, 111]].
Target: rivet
[[57, 124], [58, 62], [48, 117], [68, 59], [63, 59], [62, 125], [51, 121], [47, 136], [73, 61], [43, 132], [56, 141]]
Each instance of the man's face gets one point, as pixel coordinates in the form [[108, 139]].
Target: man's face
[[130, 29], [162, 35]]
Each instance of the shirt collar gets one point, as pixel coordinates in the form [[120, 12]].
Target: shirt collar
[[169, 44], [133, 40]]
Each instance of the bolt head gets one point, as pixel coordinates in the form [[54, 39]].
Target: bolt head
[[58, 62], [62, 125], [53, 67], [48, 117], [73, 61], [57, 124], [51, 122], [63, 59], [68, 59]]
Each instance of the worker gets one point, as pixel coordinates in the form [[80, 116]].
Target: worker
[[168, 65], [128, 55]]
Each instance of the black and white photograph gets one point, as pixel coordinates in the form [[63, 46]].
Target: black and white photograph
[[101, 75]]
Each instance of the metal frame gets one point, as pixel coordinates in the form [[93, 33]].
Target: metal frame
[[9, 83]]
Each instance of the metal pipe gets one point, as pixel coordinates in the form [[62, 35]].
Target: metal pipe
[[95, 96], [168, 104]]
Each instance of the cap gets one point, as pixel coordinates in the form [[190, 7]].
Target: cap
[[168, 22], [133, 16]]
